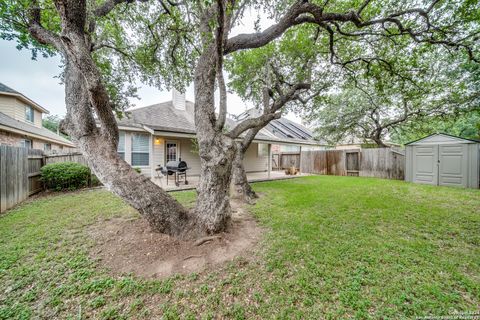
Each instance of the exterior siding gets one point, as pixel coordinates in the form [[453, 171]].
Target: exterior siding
[[37, 118], [8, 105], [19, 113], [191, 157], [253, 162], [185, 153], [158, 157], [15, 108]]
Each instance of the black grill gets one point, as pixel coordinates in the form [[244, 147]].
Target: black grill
[[176, 168]]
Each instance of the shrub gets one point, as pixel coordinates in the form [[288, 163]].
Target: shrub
[[137, 169], [65, 176], [94, 181]]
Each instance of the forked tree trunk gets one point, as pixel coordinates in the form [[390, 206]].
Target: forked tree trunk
[[216, 151], [163, 213], [241, 189]]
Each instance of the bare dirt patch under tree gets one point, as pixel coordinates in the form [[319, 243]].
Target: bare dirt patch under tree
[[130, 246]]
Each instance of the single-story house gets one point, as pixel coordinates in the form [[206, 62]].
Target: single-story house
[[21, 123], [153, 135]]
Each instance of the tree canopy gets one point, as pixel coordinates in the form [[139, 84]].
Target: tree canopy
[[371, 105]]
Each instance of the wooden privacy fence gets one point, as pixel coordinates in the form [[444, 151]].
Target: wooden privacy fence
[[13, 176], [20, 172], [285, 160], [69, 157], [381, 163]]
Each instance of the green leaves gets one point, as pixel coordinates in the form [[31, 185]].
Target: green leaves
[[376, 100]]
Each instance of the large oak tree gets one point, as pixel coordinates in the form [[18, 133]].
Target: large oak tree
[[373, 105], [105, 43]]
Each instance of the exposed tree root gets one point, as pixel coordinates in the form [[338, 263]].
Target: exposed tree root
[[193, 256], [201, 241]]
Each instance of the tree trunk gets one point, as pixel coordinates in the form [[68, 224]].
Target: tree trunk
[[377, 138], [163, 213], [216, 151], [240, 186], [213, 202]]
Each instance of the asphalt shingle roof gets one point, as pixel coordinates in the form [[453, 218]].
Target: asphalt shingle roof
[[162, 116], [7, 89], [165, 117], [8, 121]]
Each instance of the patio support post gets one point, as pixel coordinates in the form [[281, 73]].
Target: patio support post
[[300, 159], [269, 160]]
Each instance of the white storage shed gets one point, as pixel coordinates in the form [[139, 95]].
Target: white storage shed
[[444, 160]]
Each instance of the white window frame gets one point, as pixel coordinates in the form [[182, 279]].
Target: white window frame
[[132, 135], [23, 143], [121, 149], [177, 143], [27, 110], [45, 146]]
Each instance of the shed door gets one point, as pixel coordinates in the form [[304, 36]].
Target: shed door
[[452, 170], [425, 164]]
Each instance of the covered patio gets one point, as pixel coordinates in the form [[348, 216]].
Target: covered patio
[[193, 180]]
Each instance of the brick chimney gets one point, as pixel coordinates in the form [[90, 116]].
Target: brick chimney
[[178, 99]]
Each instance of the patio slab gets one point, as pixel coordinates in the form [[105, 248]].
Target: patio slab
[[193, 180]]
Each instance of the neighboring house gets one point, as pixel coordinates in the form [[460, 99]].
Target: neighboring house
[[21, 123], [153, 135]]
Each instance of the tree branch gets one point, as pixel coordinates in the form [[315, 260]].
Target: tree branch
[[220, 39], [272, 113], [305, 12], [37, 31]]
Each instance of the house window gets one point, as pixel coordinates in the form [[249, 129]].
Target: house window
[[26, 143], [121, 144], [171, 151], [29, 113], [262, 150], [140, 149], [47, 146]]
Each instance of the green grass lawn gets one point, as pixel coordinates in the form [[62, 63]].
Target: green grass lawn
[[335, 247]]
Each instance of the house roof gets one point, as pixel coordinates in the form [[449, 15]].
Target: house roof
[[6, 90], [442, 138], [161, 117], [284, 129], [165, 117], [10, 124]]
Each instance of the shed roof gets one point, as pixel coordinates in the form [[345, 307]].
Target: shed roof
[[441, 138]]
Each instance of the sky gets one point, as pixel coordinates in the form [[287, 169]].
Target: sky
[[38, 79]]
